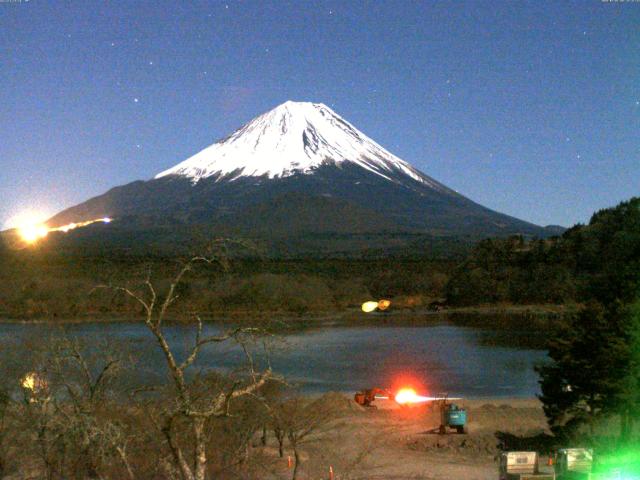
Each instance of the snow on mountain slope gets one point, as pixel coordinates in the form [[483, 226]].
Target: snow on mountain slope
[[294, 137]]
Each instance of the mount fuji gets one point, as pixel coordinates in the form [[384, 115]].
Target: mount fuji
[[295, 137], [296, 171]]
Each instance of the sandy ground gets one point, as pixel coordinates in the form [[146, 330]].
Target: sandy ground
[[392, 443], [400, 444]]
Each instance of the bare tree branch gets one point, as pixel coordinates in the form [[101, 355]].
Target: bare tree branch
[[188, 403]]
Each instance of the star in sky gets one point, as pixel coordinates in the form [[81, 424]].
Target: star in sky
[[407, 53]]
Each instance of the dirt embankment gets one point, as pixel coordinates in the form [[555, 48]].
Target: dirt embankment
[[402, 444]]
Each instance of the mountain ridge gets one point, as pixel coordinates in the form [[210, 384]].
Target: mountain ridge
[[260, 174]]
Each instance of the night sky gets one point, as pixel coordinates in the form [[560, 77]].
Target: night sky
[[532, 109]]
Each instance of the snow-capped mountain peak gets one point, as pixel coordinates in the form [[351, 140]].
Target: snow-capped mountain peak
[[294, 137], [287, 176]]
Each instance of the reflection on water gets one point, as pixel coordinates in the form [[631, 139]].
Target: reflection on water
[[439, 358]]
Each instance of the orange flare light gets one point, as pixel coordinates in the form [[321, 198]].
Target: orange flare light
[[407, 396], [383, 304], [32, 232]]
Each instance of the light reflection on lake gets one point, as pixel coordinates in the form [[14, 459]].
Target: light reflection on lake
[[442, 358]]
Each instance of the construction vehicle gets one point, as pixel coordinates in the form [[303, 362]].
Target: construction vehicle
[[451, 416], [522, 466], [368, 396], [574, 464]]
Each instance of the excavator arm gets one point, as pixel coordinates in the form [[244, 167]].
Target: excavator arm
[[368, 396]]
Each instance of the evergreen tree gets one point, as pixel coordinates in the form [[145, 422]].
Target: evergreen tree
[[588, 372], [628, 401]]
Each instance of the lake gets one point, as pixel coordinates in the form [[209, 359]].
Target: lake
[[462, 361]]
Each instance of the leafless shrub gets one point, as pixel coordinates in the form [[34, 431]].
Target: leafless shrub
[[63, 411], [298, 419]]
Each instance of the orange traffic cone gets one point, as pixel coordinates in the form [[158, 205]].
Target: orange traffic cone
[[289, 462], [550, 461], [330, 472]]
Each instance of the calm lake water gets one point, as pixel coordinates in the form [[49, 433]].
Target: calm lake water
[[462, 361]]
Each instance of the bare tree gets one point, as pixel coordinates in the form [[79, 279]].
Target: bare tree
[[5, 403], [86, 378], [351, 466], [279, 431], [66, 410], [39, 415], [195, 406], [298, 419]]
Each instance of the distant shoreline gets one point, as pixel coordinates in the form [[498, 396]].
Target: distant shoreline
[[347, 317]]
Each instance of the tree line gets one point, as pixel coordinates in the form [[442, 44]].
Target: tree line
[[593, 377], [597, 260]]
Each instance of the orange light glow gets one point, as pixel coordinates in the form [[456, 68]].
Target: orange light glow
[[32, 232], [32, 381], [383, 304], [407, 396]]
